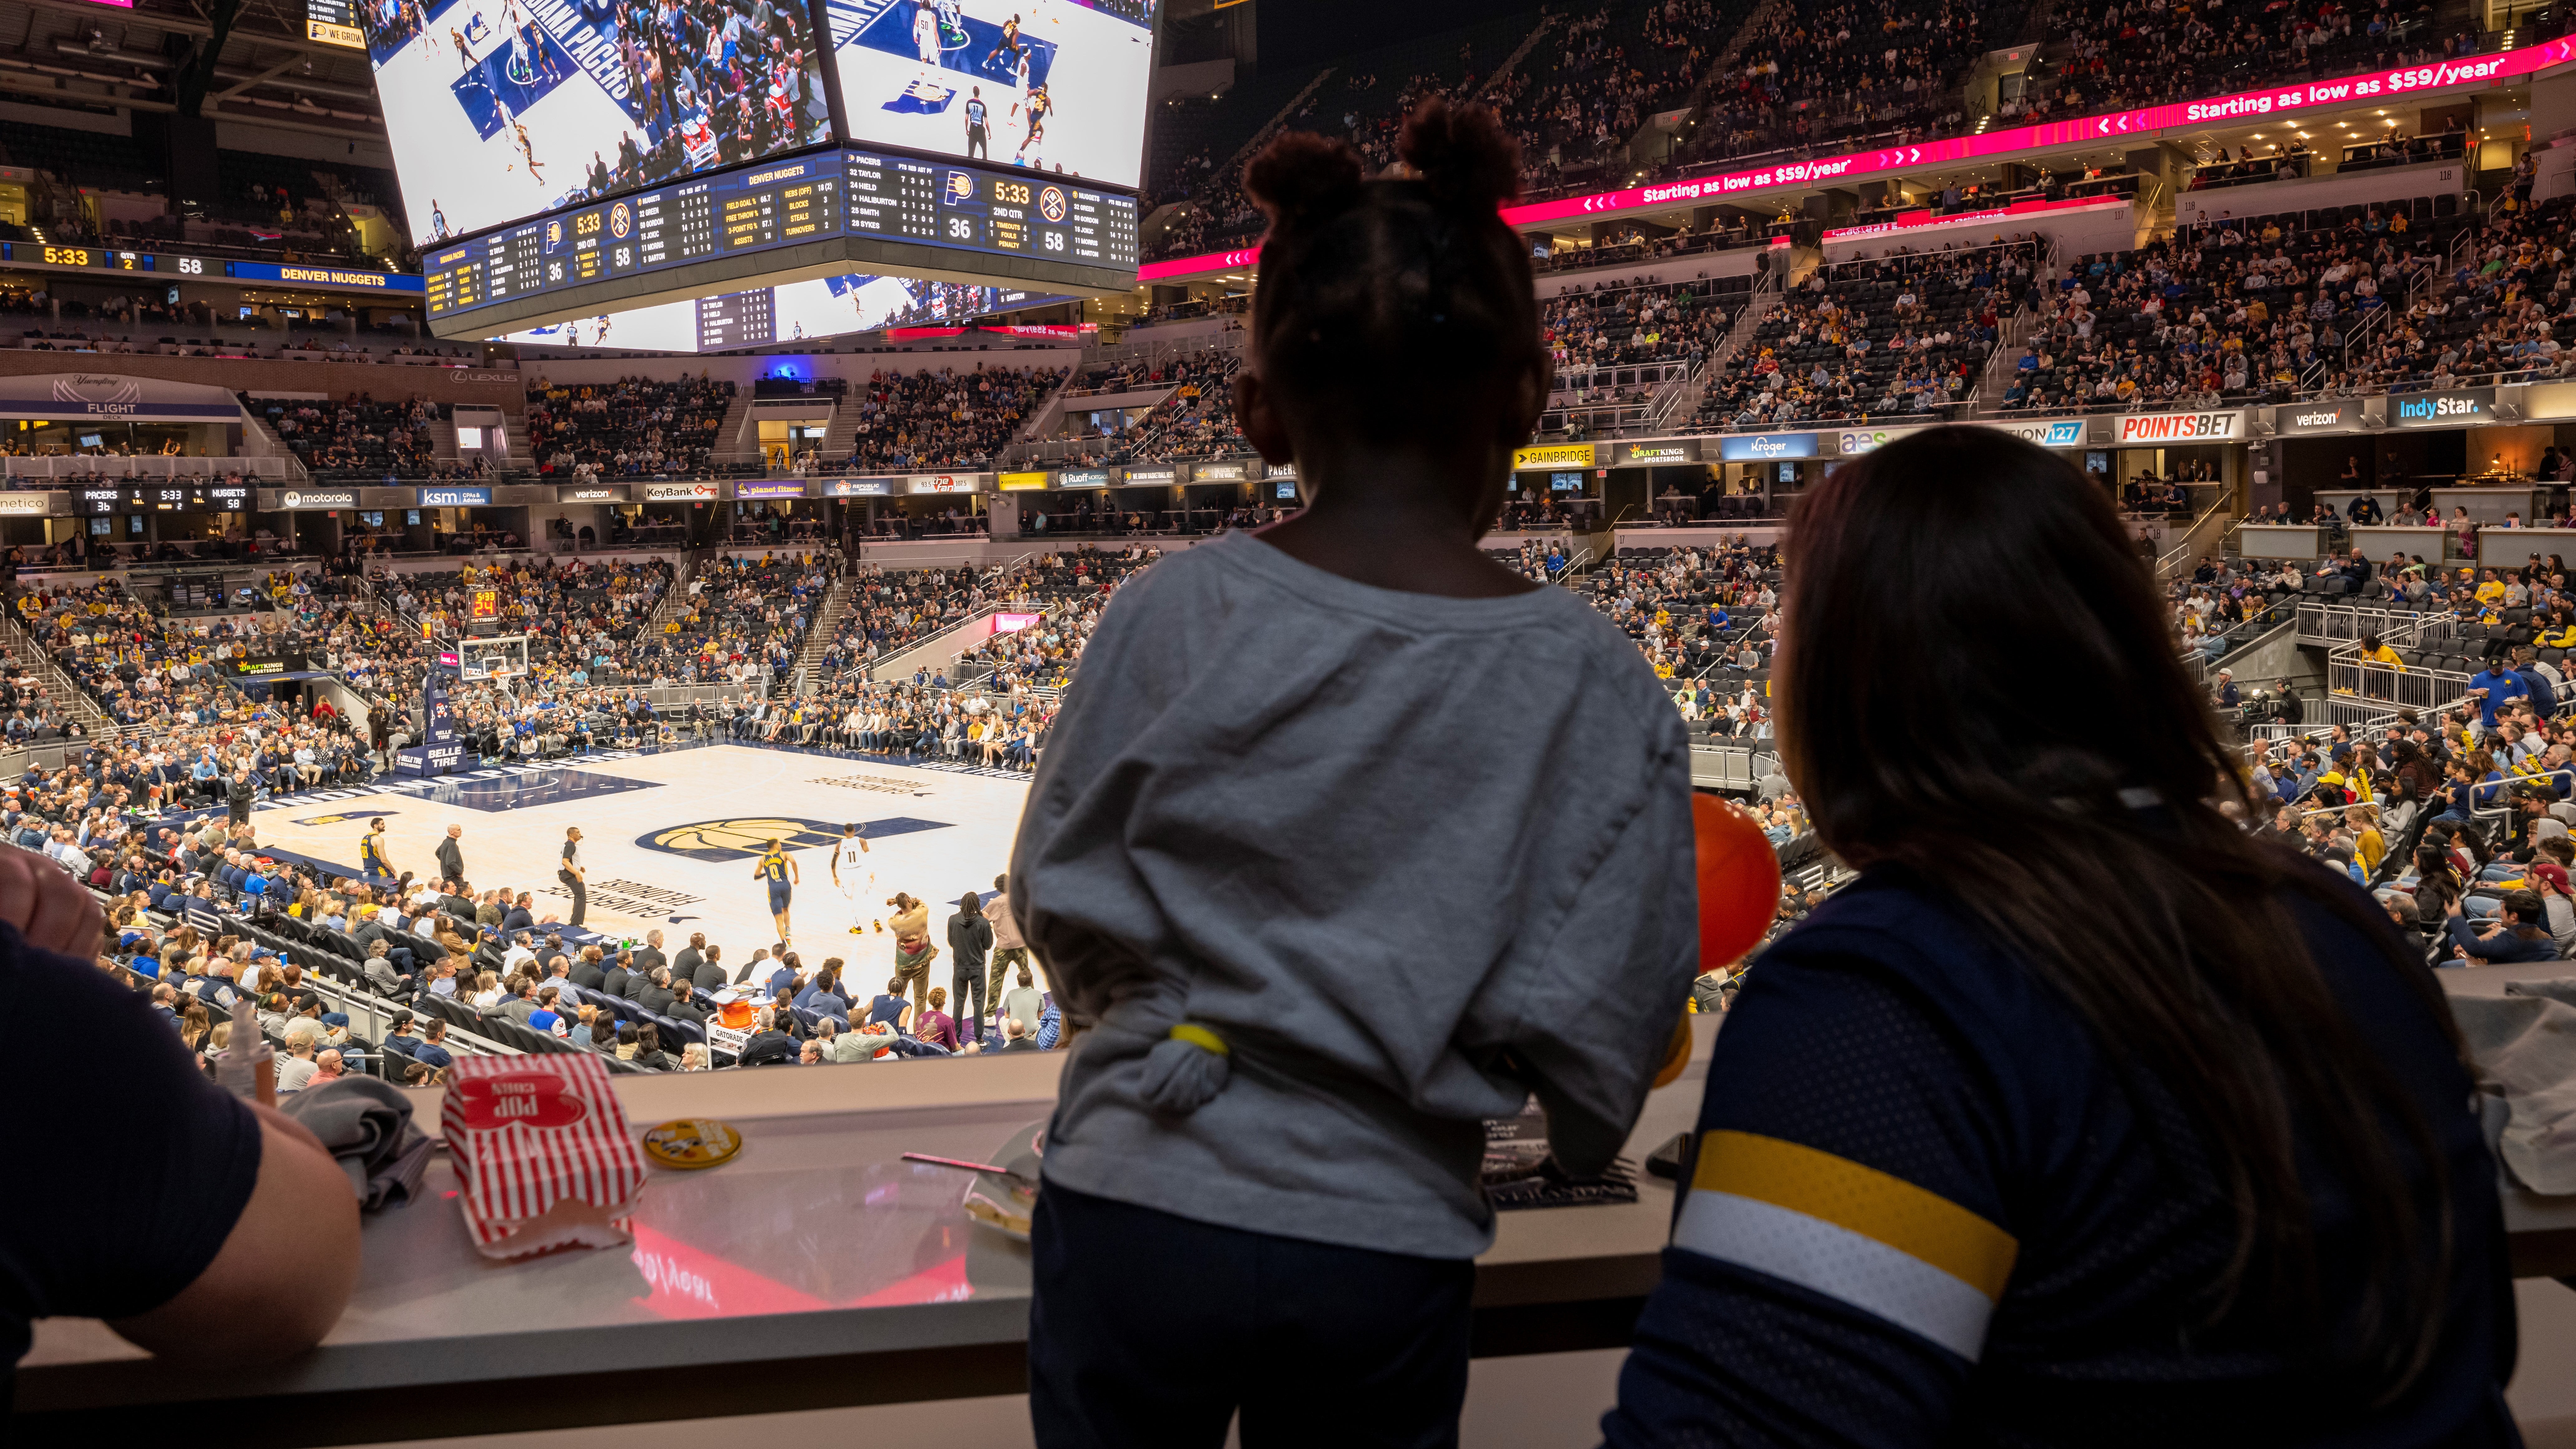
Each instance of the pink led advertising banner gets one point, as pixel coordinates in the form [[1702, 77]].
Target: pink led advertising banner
[[2138, 124]]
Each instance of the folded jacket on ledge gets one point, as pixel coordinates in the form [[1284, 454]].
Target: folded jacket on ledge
[[2524, 1045], [366, 1125]]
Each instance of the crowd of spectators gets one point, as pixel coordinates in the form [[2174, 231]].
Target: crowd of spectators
[[2342, 301], [582, 619], [1906, 333], [634, 426], [1596, 78], [1616, 324], [1812, 75], [946, 418], [355, 434], [2112, 57]]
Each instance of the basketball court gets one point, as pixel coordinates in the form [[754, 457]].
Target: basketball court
[[669, 838]]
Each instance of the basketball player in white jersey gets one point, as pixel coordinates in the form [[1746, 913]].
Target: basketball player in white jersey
[[925, 33], [850, 872]]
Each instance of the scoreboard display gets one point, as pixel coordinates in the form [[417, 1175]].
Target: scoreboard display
[[180, 268], [334, 22], [104, 499], [945, 216]]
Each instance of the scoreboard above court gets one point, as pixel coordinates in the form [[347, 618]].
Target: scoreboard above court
[[174, 267], [821, 214], [173, 497]]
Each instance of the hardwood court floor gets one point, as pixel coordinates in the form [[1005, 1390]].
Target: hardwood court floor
[[669, 837]]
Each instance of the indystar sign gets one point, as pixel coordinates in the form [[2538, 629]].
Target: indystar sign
[[2443, 409]]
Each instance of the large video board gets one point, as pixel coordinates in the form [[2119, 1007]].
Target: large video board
[[503, 109], [1057, 86], [798, 311], [812, 215]]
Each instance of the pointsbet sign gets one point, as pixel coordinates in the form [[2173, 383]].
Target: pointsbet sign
[[2182, 428]]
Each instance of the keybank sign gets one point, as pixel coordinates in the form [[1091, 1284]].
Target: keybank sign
[[2443, 409]]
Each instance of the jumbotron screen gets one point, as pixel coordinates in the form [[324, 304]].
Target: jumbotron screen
[[819, 307], [1057, 86], [502, 109]]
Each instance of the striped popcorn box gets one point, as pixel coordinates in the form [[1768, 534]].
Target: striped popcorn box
[[544, 1151]]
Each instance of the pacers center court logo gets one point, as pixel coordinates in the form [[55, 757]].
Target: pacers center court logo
[[344, 819], [747, 837], [743, 838]]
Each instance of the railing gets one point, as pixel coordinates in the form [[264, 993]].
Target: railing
[[2325, 623], [2391, 688], [2193, 544], [673, 595], [944, 645], [1769, 290], [148, 465], [2252, 634], [75, 700], [1616, 375], [1676, 398], [1723, 767]]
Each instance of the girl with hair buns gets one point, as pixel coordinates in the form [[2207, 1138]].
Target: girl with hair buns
[[1282, 790]]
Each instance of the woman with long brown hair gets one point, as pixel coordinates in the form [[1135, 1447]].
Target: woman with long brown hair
[[2083, 1116]]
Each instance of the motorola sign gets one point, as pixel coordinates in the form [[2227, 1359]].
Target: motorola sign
[[301, 498], [2442, 409]]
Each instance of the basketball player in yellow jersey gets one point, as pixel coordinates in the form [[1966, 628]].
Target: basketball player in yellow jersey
[[849, 865], [371, 850], [782, 875]]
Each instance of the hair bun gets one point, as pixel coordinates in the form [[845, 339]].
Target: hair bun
[[1462, 153], [1300, 176]]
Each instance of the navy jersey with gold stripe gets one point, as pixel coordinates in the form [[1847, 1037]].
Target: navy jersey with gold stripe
[[1921, 1210], [773, 866]]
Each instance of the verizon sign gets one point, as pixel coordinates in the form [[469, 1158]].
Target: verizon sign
[[2182, 428]]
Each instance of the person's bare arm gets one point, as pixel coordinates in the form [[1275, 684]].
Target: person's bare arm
[[283, 1274]]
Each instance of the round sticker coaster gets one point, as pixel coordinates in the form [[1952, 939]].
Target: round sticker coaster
[[692, 1142]]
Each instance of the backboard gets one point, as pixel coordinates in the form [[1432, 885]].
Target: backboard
[[502, 658]]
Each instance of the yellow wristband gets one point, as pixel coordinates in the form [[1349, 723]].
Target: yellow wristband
[[1198, 1036]]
